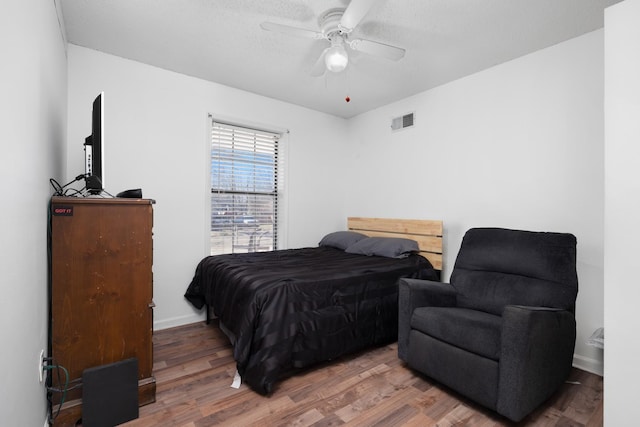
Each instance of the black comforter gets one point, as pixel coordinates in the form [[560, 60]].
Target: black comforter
[[291, 308]]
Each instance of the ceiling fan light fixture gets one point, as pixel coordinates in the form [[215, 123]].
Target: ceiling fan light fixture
[[336, 58]]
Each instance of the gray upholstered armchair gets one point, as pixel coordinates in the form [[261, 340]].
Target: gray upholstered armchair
[[502, 332]]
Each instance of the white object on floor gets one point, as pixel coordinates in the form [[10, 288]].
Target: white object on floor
[[597, 338], [236, 380]]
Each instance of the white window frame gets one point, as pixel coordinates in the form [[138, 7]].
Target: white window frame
[[242, 219]]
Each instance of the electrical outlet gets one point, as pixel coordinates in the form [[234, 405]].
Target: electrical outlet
[[41, 365]]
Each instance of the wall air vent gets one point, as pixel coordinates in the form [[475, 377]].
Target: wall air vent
[[402, 122]]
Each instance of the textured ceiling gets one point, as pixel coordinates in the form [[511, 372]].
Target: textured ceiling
[[222, 41]]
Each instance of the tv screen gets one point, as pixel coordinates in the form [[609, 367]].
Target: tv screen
[[94, 149]]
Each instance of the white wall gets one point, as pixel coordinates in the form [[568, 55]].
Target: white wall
[[519, 145], [32, 134], [622, 210], [156, 139]]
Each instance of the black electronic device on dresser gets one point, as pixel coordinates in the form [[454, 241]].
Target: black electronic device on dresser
[[94, 149]]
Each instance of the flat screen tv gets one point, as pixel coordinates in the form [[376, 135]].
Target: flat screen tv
[[94, 149]]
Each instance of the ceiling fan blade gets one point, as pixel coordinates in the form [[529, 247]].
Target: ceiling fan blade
[[354, 13], [378, 49], [292, 31], [319, 67]]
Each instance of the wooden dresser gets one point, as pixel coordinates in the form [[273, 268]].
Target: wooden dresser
[[101, 291]]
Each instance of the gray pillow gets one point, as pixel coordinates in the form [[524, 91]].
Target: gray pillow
[[390, 247], [341, 239]]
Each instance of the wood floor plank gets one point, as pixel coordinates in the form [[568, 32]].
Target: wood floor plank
[[194, 368]]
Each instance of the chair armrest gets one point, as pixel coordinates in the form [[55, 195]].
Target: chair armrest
[[536, 356], [413, 293]]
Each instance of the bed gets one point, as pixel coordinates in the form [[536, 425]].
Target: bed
[[288, 309]]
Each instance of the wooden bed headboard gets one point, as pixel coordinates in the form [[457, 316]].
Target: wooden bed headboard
[[428, 233]]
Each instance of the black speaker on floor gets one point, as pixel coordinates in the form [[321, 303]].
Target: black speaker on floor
[[110, 394]]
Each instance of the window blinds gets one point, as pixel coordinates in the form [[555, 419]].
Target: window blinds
[[244, 188]]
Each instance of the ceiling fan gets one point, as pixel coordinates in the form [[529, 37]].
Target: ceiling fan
[[336, 26]]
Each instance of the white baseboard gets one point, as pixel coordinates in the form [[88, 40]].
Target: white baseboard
[[587, 364], [177, 321]]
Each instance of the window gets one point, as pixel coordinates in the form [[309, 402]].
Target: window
[[244, 189]]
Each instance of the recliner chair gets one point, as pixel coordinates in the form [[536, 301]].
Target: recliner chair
[[503, 331]]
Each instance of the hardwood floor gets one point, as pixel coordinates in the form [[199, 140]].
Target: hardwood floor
[[194, 369]]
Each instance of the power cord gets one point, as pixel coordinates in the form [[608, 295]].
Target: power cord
[[104, 194], [51, 389], [62, 190], [59, 190]]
